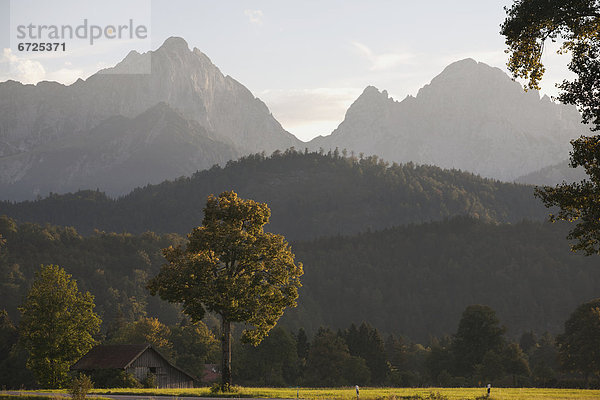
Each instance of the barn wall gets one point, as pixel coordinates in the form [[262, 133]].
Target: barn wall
[[166, 375]]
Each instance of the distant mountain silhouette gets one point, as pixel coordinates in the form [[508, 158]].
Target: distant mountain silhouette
[[118, 130], [119, 154], [46, 129], [553, 175], [471, 117]]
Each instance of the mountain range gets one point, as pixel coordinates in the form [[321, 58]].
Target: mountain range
[[471, 117], [119, 130], [182, 117]]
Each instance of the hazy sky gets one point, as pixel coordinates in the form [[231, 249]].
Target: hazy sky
[[307, 60]]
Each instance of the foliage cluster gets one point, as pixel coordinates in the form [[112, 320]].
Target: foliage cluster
[[478, 353], [80, 387], [57, 325], [528, 26], [233, 268]]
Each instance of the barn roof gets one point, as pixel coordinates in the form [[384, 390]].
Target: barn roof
[[107, 356], [118, 356]]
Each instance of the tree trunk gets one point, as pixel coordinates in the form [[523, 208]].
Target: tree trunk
[[226, 354]]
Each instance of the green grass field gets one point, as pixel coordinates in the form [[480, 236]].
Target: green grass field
[[375, 393], [58, 396]]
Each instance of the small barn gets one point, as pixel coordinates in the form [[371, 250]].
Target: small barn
[[140, 360]]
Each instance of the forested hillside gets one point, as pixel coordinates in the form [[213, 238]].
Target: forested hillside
[[113, 267], [413, 281], [310, 195], [416, 280]]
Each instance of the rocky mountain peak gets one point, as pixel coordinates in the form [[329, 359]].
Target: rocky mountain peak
[[463, 65], [172, 95], [175, 43], [371, 91], [471, 78], [471, 116], [468, 66], [172, 58], [370, 100]]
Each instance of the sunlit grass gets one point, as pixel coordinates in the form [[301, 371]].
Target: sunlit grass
[[56, 395], [373, 393]]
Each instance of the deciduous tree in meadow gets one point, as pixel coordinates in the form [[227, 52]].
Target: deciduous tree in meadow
[[233, 268]]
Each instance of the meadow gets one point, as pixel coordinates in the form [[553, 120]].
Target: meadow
[[348, 393], [374, 393]]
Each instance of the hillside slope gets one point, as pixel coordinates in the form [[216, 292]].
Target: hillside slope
[[413, 281], [417, 280], [310, 195]]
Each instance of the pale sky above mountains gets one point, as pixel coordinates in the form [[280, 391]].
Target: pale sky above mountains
[[307, 60]]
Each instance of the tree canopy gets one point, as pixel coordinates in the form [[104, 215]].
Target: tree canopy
[[529, 24], [359, 278], [579, 201], [233, 268], [579, 345], [57, 325], [479, 332]]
